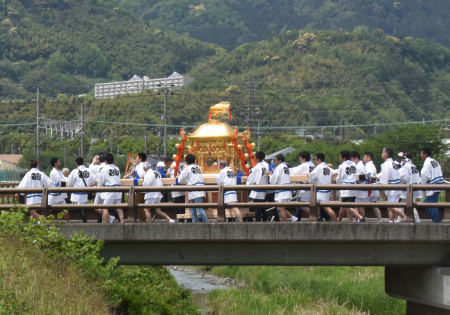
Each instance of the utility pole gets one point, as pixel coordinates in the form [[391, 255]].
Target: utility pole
[[110, 146], [257, 133], [12, 146], [145, 137], [64, 152], [82, 130], [251, 106], [164, 117], [38, 130]]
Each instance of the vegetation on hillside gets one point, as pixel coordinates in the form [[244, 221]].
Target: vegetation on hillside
[[232, 23], [65, 46]]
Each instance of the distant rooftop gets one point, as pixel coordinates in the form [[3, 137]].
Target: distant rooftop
[[11, 158], [284, 152]]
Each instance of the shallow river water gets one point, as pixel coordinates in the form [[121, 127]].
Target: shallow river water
[[199, 283]]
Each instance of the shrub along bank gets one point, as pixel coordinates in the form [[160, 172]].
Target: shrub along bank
[[41, 272], [305, 290]]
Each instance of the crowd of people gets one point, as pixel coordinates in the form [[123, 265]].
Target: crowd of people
[[351, 171], [102, 172]]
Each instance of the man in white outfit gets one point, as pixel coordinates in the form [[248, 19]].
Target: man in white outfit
[[431, 174], [322, 175], [281, 176], [346, 175], [192, 176], [389, 175], [361, 195], [110, 177], [34, 178], [374, 194], [306, 166], [57, 177], [227, 177], [153, 179], [258, 176], [178, 196], [409, 174], [77, 178], [98, 162]]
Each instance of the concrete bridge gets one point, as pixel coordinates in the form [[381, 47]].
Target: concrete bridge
[[416, 256]]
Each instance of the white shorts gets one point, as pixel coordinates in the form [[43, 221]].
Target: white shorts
[[393, 198], [62, 202], [153, 201], [373, 199], [304, 199], [283, 200], [361, 199], [81, 202], [112, 201], [98, 200]]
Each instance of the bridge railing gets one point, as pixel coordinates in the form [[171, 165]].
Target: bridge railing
[[131, 206]]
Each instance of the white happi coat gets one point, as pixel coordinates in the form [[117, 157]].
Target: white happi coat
[[95, 169], [346, 175], [109, 177], [227, 177], [303, 169], [431, 174], [140, 170], [409, 174], [321, 175], [281, 176], [75, 180], [34, 178], [56, 176], [153, 178], [258, 177], [192, 176], [172, 174], [361, 170], [389, 175], [372, 171]]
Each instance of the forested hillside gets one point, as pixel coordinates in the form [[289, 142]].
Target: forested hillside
[[304, 79], [65, 46], [231, 23]]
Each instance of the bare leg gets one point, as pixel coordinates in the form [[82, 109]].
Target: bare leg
[[342, 212], [105, 215], [397, 211], [161, 213], [120, 213], [282, 212], [148, 215], [238, 214], [34, 214], [306, 209], [377, 213], [391, 215], [362, 211], [354, 212], [331, 213]]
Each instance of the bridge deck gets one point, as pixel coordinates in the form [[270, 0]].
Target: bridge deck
[[374, 244]]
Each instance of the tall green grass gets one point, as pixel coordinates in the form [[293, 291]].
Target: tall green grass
[[44, 273], [323, 290]]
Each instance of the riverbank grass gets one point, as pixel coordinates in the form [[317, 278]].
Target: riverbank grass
[[305, 290]]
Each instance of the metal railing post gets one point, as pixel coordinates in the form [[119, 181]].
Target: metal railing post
[[409, 209], [44, 202], [447, 199], [220, 204], [313, 204], [131, 208]]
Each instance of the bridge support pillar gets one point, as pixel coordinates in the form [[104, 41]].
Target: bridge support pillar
[[426, 289]]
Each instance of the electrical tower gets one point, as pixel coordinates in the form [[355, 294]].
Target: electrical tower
[[251, 120]]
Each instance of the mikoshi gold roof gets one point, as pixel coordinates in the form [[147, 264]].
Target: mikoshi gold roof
[[214, 130]]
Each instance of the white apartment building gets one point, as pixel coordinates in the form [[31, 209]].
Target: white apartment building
[[137, 84]]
